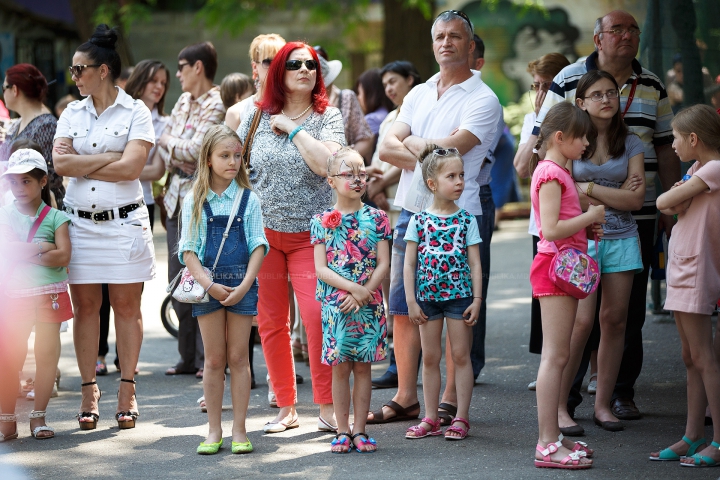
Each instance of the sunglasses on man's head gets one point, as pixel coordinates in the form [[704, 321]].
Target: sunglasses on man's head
[[460, 14], [442, 152], [296, 64], [77, 70]]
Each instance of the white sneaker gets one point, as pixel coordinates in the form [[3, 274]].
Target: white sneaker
[[271, 395], [592, 386], [31, 394], [531, 385]]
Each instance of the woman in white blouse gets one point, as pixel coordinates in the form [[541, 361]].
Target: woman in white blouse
[[103, 142]]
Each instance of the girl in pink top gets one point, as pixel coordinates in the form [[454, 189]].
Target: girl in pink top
[[693, 277], [559, 220]]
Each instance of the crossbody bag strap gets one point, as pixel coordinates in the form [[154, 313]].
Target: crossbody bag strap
[[236, 204], [36, 224], [247, 145]]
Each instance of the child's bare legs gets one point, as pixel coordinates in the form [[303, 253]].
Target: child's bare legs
[[613, 318], [703, 376], [431, 341], [558, 317], [341, 400], [13, 349], [238, 333], [449, 394], [362, 388], [460, 335], [47, 354], [581, 329], [213, 330]]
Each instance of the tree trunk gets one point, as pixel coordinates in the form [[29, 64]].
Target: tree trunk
[[684, 24], [407, 37], [83, 11]]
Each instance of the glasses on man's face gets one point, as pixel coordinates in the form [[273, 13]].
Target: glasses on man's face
[[620, 32], [349, 176], [182, 65], [266, 63], [537, 86], [296, 64], [610, 94], [462, 15], [5, 87], [446, 151], [77, 70]]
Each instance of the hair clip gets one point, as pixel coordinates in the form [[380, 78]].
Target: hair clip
[[535, 150]]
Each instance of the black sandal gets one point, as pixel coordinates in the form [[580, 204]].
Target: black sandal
[[125, 424], [401, 413], [446, 414], [363, 442], [346, 442], [95, 417]]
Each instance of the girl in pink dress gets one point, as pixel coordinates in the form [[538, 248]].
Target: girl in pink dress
[[693, 277], [560, 220]]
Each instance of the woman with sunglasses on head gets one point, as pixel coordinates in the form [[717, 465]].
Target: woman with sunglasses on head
[[297, 133], [102, 143], [262, 50], [24, 91]]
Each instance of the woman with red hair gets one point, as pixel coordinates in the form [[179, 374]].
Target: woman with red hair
[[24, 90], [297, 133]]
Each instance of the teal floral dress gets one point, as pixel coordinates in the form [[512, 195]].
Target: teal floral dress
[[351, 245]]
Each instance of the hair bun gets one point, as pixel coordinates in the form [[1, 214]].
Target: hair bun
[[104, 37]]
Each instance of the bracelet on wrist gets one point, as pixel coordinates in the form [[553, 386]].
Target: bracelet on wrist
[[481, 298], [590, 188], [209, 287], [295, 132]]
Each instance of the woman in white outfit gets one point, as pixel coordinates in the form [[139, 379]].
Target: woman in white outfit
[[103, 142]]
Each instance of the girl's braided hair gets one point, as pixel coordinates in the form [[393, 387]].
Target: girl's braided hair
[[431, 163]]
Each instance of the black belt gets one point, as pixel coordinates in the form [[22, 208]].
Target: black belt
[[105, 215]]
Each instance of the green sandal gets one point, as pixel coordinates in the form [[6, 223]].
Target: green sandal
[[668, 455], [709, 462], [209, 448], [242, 447]]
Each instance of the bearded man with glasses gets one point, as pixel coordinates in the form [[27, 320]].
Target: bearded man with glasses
[[646, 110]]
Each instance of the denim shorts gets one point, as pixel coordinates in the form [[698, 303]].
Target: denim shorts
[[246, 306], [618, 255], [396, 302], [445, 309]]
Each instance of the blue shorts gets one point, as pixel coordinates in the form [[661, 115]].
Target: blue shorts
[[246, 306], [445, 309], [618, 255], [396, 302]]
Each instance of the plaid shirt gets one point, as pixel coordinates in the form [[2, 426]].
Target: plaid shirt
[[221, 205], [649, 115], [189, 121]]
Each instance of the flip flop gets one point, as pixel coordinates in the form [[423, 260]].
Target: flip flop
[[446, 413], [401, 413]]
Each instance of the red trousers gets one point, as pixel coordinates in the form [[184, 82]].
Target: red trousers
[[291, 256]]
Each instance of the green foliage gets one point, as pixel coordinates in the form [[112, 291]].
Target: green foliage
[[125, 13]]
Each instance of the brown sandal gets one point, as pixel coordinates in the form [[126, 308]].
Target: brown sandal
[[446, 414], [401, 413]]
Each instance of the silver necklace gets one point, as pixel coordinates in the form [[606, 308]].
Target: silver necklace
[[295, 118]]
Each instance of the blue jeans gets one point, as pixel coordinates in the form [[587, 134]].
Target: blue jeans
[[486, 225]]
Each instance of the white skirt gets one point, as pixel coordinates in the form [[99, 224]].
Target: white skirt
[[117, 251]]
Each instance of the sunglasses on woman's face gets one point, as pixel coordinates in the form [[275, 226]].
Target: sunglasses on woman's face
[[266, 63], [296, 64], [77, 70]]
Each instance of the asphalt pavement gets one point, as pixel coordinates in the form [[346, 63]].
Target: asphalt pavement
[[503, 412]]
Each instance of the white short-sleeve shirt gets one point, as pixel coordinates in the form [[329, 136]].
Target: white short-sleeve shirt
[[470, 105], [125, 120]]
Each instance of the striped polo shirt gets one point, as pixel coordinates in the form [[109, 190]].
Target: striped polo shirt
[[649, 115]]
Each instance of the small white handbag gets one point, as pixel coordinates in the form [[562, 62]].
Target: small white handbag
[[189, 290]]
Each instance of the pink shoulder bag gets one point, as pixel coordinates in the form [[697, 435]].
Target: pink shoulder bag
[[575, 272]]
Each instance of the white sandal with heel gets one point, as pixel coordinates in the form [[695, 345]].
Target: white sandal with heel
[[42, 428]]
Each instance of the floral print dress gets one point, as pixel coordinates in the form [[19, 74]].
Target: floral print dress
[[351, 245]]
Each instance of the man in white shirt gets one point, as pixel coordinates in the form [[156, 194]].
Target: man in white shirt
[[455, 109]]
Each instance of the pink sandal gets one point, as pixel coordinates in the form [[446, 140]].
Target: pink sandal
[[580, 447], [571, 462], [418, 431], [462, 432]]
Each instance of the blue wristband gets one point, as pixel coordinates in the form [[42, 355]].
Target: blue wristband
[[295, 132]]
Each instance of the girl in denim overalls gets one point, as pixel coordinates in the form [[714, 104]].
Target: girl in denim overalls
[[225, 321]]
